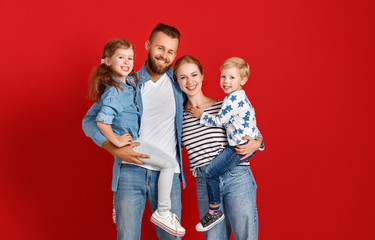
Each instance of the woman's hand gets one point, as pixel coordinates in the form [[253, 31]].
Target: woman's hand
[[249, 148]]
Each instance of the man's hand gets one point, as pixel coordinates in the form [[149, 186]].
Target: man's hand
[[195, 111], [125, 153], [249, 148]]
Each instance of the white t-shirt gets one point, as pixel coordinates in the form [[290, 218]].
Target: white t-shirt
[[158, 117]]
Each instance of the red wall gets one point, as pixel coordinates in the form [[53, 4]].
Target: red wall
[[312, 85]]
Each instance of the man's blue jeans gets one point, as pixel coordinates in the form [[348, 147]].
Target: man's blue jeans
[[238, 202], [136, 184], [167, 166], [226, 160]]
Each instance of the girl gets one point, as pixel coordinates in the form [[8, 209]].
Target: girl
[[113, 88]]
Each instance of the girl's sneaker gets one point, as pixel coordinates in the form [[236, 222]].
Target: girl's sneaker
[[169, 223], [209, 221]]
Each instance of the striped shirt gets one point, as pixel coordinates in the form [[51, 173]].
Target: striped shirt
[[203, 143]]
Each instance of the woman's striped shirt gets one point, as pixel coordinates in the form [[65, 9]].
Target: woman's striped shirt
[[203, 143]]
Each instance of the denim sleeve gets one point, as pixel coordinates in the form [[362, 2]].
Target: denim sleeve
[[111, 107], [89, 125]]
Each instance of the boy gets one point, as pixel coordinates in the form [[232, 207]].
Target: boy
[[237, 115]]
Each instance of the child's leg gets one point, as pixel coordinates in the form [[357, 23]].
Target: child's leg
[[223, 162], [167, 167], [162, 217], [226, 160]]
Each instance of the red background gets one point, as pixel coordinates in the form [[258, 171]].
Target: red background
[[312, 85]]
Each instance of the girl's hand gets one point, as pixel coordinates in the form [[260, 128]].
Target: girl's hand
[[195, 111], [249, 148], [124, 140]]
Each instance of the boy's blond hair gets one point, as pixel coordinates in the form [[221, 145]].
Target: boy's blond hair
[[238, 63]]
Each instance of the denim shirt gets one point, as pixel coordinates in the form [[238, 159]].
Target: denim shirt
[[119, 110], [92, 131]]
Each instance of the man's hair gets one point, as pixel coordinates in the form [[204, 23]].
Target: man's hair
[[238, 63], [168, 30]]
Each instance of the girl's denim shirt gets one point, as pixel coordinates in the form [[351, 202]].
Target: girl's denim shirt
[[118, 108], [92, 131]]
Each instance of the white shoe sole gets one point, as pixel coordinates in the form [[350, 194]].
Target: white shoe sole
[[166, 228]]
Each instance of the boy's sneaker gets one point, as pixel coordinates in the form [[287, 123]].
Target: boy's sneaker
[[169, 223], [209, 221]]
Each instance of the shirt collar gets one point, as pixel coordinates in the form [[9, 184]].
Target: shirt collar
[[128, 78], [144, 76]]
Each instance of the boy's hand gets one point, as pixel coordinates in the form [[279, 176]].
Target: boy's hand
[[124, 140], [195, 111]]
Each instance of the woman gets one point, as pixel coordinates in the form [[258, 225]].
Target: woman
[[238, 187]]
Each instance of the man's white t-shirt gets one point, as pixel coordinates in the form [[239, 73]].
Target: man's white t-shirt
[[158, 117]]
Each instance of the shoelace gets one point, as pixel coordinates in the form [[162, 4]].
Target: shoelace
[[175, 221]]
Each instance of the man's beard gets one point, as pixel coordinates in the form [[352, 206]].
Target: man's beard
[[153, 66]]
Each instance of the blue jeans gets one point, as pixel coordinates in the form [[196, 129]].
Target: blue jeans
[[238, 202], [136, 184], [167, 166], [226, 160]]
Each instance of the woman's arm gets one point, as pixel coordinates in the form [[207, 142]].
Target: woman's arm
[[249, 148]]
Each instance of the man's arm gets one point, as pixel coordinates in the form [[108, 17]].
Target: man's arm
[[125, 153], [92, 131]]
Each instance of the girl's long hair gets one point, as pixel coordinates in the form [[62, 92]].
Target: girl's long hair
[[102, 76]]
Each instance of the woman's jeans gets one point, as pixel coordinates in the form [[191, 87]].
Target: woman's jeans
[[226, 160], [238, 202]]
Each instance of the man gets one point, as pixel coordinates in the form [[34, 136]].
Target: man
[[161, 125]]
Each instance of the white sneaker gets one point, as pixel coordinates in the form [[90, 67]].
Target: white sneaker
[[169, 223]]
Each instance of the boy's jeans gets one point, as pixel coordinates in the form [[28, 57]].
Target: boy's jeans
[[226, 160]]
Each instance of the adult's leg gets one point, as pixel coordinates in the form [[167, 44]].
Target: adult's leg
[[226, 160], [175, 196], [239, 197], [130, 199], [167, 167], [222, 230]]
